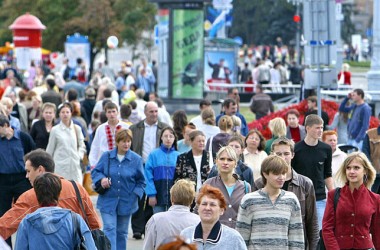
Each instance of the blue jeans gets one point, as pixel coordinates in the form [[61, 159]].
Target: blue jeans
[[359, 144], [321, 206], [115, 227], [159, 209]]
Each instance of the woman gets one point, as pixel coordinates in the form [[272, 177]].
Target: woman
[[278, 128], [208, 125], [344, 76], [194, 165], [254, 153], [66, 145], [121, 172], [179, 122], [340, 123], [40, 130], [34, 112], [236, 121], [225, 125], [355, 222], [184, 145], [210, 233], [159, 171], [229, 184]]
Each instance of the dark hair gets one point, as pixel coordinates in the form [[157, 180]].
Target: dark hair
[[292, 112], [231, 90], [204, 102], [102, 117], [47, 187], [228, 102], [4, 120], [65, 105], [313, 99], [72, 95], [133, 104], [40, 157], [105, 102], [179, 121], [262, 139], [125, 111], [51, 83], [107, 93], [173, 132], [359, 92]]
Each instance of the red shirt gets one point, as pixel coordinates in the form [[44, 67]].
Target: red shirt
[[296, 135]]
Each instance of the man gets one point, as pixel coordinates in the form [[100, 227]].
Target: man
[[38, 162], [230, 109], [104, 139], [302, 187], [233, 93], [360, 114], [261, 103], [88, 103], [263, 73], [271, 218], [166, 224], [312, 105], [145, 79], [371, 148], [99, 104], [219, 71], [197, 120], [246, 73], [14, 144], [294, 130], [74, 84], [312, 158], [146, 137], [51, 95]]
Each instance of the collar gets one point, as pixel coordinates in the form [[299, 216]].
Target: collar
[[214, 236], [147, 125], [113, 154], [63, 126], [245, 152], [179, 208], [295, 180], [165, 149]]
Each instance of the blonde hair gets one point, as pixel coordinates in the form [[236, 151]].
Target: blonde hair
[[273, 164], [225, 123], [277, 126], [183, 192], [230, 152], [208, 116], [366, 164]]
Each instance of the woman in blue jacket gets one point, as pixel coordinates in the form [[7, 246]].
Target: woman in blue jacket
[[121, 172], [159, 171]]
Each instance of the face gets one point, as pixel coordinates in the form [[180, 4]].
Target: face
[[168, 138], [209, 210], [332, 141], [293, 121], [355, 172], [123, 146], [151, 113], [237, 147], [310, 104], [231, 110], [253, 141], [65, 114], [315, 131], [48, 114], [355, 97], [111, 115], [32, 173], [235, 93], [225, 163], [198, 143], [275, 181], [284, 152]]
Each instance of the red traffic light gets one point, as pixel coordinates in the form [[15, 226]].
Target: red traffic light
[[296, 18]]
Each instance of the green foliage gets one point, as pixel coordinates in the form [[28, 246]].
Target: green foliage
[[365, 64]]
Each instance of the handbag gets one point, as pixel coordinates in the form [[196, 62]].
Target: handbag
[[98, 185], [76, 229], [321, 243], [100, 239]]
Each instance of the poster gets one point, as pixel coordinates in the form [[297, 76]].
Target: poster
[[187, 54], [219, 66]]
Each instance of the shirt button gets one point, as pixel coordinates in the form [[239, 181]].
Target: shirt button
[[229, 219], [118, 190], [118, 181], [352, 214], [351, 236], [352, 225], [230, 206]]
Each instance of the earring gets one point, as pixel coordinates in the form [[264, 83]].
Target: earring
[[365, 178]]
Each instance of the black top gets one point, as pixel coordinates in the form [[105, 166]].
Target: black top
[[39, 134], [325, 117]]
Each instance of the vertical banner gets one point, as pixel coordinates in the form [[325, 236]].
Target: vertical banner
[[187, 54]]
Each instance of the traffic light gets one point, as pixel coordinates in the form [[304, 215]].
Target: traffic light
[[296, 18]]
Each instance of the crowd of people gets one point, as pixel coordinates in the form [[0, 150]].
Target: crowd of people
[[202, 183]]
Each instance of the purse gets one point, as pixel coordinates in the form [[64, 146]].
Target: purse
[[100, 239], [98, 185]]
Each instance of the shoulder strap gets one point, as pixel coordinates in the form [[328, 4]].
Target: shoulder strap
[[76, 228], [79, 198], [336, 197]]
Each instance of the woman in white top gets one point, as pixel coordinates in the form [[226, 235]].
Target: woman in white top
[[66, 145], [254, 153], [208, 126]]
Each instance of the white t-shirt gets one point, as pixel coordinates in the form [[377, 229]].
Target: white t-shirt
[[198, 160]]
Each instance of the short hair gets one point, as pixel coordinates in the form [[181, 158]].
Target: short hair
[[283, 141], [196, 133], [107, 93], [327, 133], [259, 86], [179, 119], [133, 104], [204, 102], [228, 102], [50, 82], [225, 123], [360, 92], [76, 108], [230, 152], [72, 95], [313, 99], [140, 93], [313, 119], [277, 126], [183, 192], [363, 160], [212, 192], [173, 132], [231, 90], [238, 139], [125, 111], [262, 139], [6, 101], [123, 134], [4, 120], [208, 116], [273, 164], [110, 105], [49, 105], [104, 102], [292, 112], [40, 157], [47, 187], [65, 105]]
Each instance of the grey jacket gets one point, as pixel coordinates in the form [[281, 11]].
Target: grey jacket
[[302, 132]]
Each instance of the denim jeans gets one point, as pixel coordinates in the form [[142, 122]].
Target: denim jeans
[[352, 142], [321, 206], [159, 209], [115, 227]]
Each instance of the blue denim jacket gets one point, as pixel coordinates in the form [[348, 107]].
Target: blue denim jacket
[[127, 182]]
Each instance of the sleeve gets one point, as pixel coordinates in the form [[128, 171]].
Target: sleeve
[[98, 172], [366, 147], [33, 131], [244, 221], [334, 123], [150, 234], [140, 179], [150, 189], [82, 146], [89, 240], [344, 108], [375, 226], [244, 127], [328, 223], [27, 142], [312, 229], [365, 119], [93, 157], [52, 143], [92, 216], [296, 236], [240, 244], [179, 168], [22, 239], [328, 169]]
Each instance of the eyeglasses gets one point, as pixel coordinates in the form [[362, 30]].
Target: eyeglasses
[[253, 138], [168, 136]]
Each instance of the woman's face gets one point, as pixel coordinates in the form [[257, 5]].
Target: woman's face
[[209, 210], [253, 141], [48, 114], [355, 172], [168, 138], [123, 146], [225, 163], [198, 143], [65, 114], [237, 147]]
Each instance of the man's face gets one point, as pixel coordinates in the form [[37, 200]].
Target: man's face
[[332, 141], [234, 95], [311, 105], [315, 131], [231, 110], [151, 113], [32, 173], [221, 63], [355, 97], [111, 115], [293, 121], [284, 152]]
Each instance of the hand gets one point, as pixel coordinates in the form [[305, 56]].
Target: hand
[[106, 183], [152, 201], [349, 95]]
